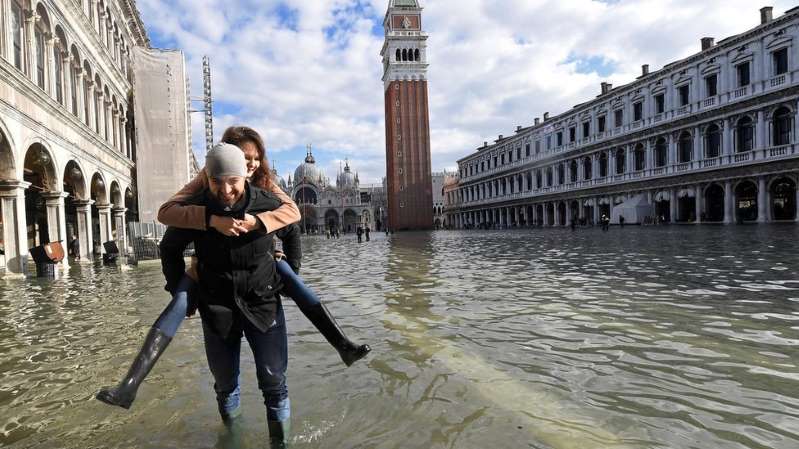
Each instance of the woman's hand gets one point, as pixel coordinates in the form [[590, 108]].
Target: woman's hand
[[228, 226], [251, 223]]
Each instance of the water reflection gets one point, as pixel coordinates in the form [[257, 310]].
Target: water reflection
[[678, 337]]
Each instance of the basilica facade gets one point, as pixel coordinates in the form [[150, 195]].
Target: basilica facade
[[325, 207], [710, 138]]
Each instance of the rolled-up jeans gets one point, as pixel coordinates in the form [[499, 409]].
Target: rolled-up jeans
[[270, 351]]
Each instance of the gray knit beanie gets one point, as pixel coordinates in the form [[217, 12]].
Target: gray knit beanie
[[225, 159]]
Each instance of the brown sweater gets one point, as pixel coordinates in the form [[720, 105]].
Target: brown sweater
[[175, 212]]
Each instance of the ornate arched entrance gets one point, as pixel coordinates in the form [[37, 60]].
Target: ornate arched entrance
[[349, 220], [714, 203], [746, 201], [331, 219], [40, 172], [783, 199]]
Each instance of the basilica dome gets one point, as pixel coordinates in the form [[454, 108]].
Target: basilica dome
[[346, 179], [308, 172]]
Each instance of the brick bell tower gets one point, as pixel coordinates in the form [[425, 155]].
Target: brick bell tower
[[408, 173]]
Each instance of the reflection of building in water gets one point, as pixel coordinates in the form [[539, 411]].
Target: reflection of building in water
[[67, 144], [710, 138], [344, 206]]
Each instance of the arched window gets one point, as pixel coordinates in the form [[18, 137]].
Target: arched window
[[661, 153], [58, 61], [685, 147], [73, 81], [538, 179], [588, 168], [573, 171], [561, 174], [783, 121], [41, 54], [603, 164], [17, 33], [712, 141], [87, 80], [639, 157], [416, 55], [621, 161], [549, 176], [399, 54], [744, 135], [404, 54], [529, 181]]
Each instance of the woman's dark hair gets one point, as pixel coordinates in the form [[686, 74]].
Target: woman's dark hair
[[239, 135]]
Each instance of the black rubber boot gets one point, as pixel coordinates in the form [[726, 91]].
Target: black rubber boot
[[123, 394], [279, 432], [327, 326]]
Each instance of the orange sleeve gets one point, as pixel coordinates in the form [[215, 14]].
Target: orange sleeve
[[284, 215], [175, 212]]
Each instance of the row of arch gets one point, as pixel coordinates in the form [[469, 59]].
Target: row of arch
[[781, 121], [407, 54], [739, 201], [57, 66], [782, 127]]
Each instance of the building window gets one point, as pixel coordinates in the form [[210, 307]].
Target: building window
[[588, 168], [40, 55], [549, 176], [744, 135], [782, 126], [16, 33], [586, 129], [572, 134], [510, 156], [711, 85], [661, 153], [527, 150], [743, 74], [712, 141], [685, 147], [482, 166], [573, 171], [660, 103], [684, 92], [639, 157], [502, 158], [780, 58], [638, 111], [603, 164], [561, 174], [519, 153], [495, 162], [559, 138], [618, 117], [538, 179], [58, 60], [621, 161], [549, 142], [537, 146], [600, 124]]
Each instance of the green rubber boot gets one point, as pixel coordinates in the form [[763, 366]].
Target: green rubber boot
[[279, 432]]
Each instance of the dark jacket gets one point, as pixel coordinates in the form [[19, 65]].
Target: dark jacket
[[238, 277]]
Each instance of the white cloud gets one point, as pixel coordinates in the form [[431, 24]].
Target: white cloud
[[493, 65]]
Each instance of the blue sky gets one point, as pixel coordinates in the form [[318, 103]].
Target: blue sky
[[309, 71]]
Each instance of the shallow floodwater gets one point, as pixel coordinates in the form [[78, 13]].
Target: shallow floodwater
[[672, 337]]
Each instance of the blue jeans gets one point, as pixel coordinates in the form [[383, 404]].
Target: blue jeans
[[270, 350]]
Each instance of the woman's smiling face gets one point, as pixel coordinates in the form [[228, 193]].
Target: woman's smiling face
[[252, 157]]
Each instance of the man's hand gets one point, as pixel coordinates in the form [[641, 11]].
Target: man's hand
[[228, 226], [251, 223]]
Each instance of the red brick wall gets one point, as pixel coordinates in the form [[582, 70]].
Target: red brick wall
[[407, 101]]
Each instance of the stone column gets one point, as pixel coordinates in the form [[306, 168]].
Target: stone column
[[102, 30], [728, 209], [56, 220], [672, 149], [90, 95], [79, 94], [15, 230], [83, 209], [762, 200], [726, 139], [50, 44], [109, 137], [596, 211], [115, 128], [673, 205], [67, 69], [698, 203], [101, 113], [760, 132], [698, 155], [30, 44]]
